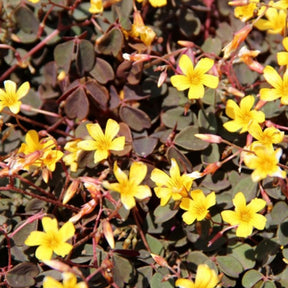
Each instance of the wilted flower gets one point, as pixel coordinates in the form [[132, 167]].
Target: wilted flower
[[245, 216]]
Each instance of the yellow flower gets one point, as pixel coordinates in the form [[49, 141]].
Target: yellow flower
[[69, 281], [96, 6], [282, 57], [34, 1], [194, 78], [10, 96], [276, 20], [280, 89], [197, 207], [205, 278], [52, 239], [156, 3], [71, 158], [129, 187], [103, 143], [245, 12], [268, 137], [242, 115], [245, 216], [175, 186], [264, 161]]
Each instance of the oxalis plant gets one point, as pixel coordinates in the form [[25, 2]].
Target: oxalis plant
[[143, 143]]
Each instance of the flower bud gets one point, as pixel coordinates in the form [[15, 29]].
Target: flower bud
[[108, 233]]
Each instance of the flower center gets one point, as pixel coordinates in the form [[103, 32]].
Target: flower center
[[245, 215], [103, 143], [195, 78], [10, 99], [53, 240]]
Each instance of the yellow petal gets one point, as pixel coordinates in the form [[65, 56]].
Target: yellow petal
[[160, 177], [180, 82], [35, 238], [267, 94], [272, 77], [67, 231], [256, 204], [174, 170], [142, 192], [232, 109], [100, 155], [204, 65], [119, 174], [186, 65], [50, 224], [128, 201], [184, 283], [10, 88], [69, 279], [259, 221], [206, 277], [196, 91], [244, 230], [51, 282], [157, 3], [15, 108], [87, 145], [210, 81], [188, 217], [23, 90], [230, 217], [44, 253], [282, 58], [239, 201], [112, 129], [63, 249], [95, 131], [232, 126], [138, 171], [247, 103], [117, 144]]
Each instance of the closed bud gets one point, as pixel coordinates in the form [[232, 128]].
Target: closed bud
[[108, 233], [57, 265], [159, 260], [211, 138], [212, 168], [162, 79], [72, 189]]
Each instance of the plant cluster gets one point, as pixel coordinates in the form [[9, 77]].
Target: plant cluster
[[143, 143]]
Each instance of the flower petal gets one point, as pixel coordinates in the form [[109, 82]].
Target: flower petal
[[210, 81], [232, 109], [184, 283], [128, 201], [10, 88], [15, 107], [44, 253], [160, 177], [50, 224], [164, 194], [272, 77], [142, 192], [95, 131], [112, 129], [180, 82], [247, 103], [268, 94], [256, 204], [87, 145], [23, 90], [196, 91], [244, 230], [51, 282], [117, 144], [174, 169], [100, 155], [67, 231], [35, 238], [188, 217], [119, 174], [204, 65], [230, 217], [138, 171], [63, 249], [282, 58], [232, 126], [186, 65]]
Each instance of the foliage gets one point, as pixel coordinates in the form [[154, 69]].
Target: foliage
[[143, 143]]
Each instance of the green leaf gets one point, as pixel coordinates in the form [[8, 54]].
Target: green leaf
[[20, 237], [144, 146], [77, 104], [229, 265], [212, 45], [282, 232], [144, 277], [110, 43], [26, 20], [22, 275], [266, 251], [164, 213], [175, 118], [122, 270], [245, 254], [102, 71], [64, 54], [157, 281], [251, 277], [279, 212], [98, 93], [155, 245], [247, 187], [135, 118], [85, 56], [187, 140], [182, 161]]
